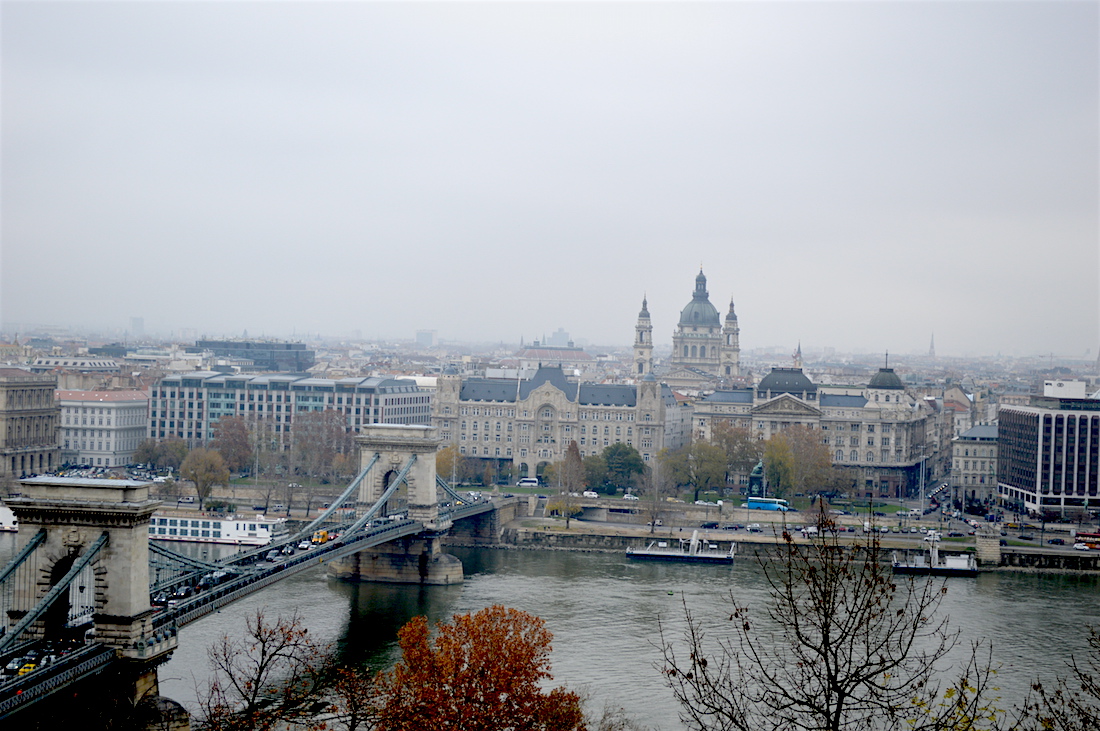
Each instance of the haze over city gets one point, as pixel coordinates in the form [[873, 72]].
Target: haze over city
[[854, 175]]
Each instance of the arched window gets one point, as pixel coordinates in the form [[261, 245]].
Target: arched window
[[685, 351], [692, 351], [840, 455], [855, 456], [870, 456]]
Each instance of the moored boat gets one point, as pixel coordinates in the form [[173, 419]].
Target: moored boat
[[241, 530], [932, 563], [693, 551]]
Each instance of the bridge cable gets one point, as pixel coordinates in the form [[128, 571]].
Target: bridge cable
[[36, 540], [55, 591], [339, 501], [450, 490], [382, 500]]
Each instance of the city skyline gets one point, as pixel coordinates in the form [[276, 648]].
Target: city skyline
[[855, 176]]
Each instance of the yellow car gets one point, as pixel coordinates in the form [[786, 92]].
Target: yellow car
[[29, 667]]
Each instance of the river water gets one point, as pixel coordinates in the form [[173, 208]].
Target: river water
[[604, 613]]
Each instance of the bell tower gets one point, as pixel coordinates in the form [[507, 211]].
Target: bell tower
[[731, 346], [643, 342]]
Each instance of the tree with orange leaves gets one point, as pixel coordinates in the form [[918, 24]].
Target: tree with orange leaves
[[481, 672]]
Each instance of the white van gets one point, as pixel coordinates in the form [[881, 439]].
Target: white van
[[528, 482], [589, 493]]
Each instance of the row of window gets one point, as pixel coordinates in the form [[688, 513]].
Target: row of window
[[853, 456]]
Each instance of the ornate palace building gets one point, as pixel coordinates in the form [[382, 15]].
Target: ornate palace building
[[524, 425], [879, 431]]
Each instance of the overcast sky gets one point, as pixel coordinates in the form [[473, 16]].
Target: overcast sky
[[855, 175]]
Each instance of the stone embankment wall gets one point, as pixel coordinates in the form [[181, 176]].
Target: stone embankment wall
[[1011, 559]]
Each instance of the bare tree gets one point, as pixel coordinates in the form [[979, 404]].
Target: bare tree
[[654, 487], [273, 676], [1069, 705], [842, 645], [205, 468], [571, 471]]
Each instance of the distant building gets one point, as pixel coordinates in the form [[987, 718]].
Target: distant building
[[188, 405], [528, 424], [28, 423], [1049, 453], [878, 431], [102, 428], [82, 364], [267, 355], [427, 338], [567, 356], [974, 467]]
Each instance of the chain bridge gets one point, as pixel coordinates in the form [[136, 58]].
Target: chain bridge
[[78, 597]]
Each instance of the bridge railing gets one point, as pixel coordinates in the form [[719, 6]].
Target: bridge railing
[[41, 683]]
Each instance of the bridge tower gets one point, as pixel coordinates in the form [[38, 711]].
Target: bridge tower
[[417, 559], [72, 518]]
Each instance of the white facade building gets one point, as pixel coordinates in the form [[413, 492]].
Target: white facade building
[[102, 428]]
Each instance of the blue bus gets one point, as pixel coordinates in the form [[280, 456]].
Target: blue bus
[[767, 503]]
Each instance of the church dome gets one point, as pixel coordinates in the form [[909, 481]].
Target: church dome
[[786, 380], [886, 378], [700, 312]]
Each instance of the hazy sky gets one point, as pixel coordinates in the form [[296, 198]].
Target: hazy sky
[[856, 175]]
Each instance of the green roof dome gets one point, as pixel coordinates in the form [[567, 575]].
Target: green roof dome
[[700, 312], [886, 378]]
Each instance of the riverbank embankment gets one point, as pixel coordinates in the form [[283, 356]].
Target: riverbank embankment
[[551, 534]]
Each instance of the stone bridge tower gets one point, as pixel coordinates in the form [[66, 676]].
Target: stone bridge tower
[[396, 444], [417, 559], [75, 514]]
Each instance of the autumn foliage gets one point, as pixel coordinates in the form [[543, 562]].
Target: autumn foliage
[[481, 672]]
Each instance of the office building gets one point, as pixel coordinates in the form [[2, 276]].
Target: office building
[[1048, 453], [188, 405]]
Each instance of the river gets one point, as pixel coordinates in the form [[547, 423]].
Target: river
[[604, 613]]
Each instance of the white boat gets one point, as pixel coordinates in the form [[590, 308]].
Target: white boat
[[694, 551], [239, 530], [932, 563], [8, 521]]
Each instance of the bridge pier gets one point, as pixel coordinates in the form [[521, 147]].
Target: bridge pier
[[413, 560]]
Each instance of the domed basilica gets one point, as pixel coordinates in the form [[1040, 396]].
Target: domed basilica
[[705, 349]]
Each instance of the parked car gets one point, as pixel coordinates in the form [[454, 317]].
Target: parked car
[[1056, 541], [1080, 546]]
